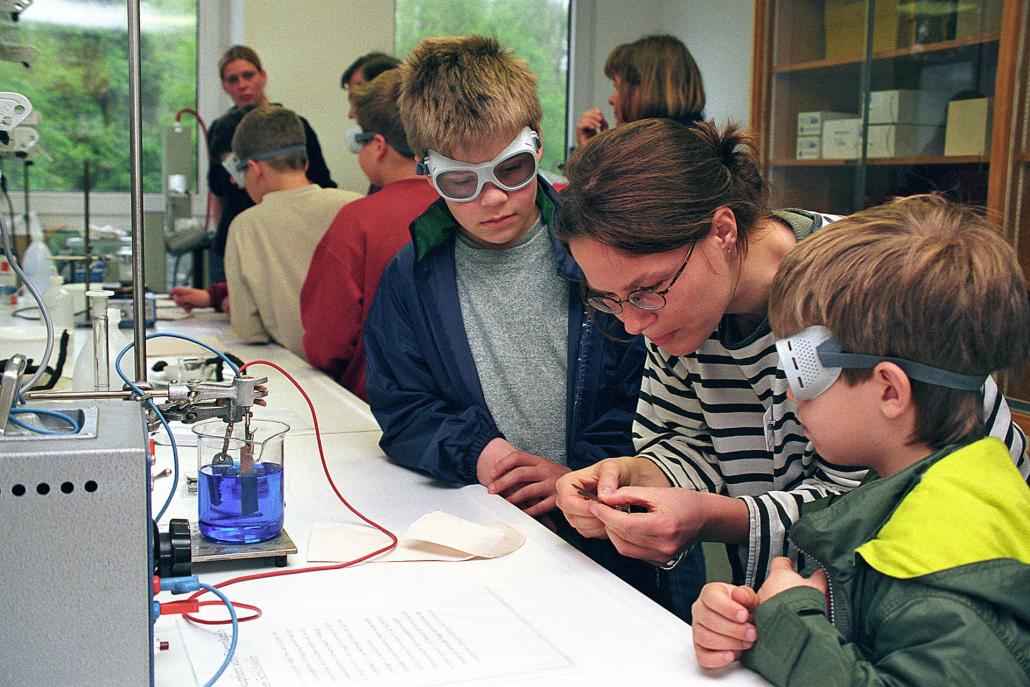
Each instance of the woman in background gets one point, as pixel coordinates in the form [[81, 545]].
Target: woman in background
[[655, 76]]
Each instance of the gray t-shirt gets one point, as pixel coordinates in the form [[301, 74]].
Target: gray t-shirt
[[515, 307]]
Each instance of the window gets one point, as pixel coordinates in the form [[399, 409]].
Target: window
[[78, 84], [535, 30]]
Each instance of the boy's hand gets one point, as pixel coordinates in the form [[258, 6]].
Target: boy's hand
[[187, 298], [591, 123], [783, 577], [722, 626], [523, 479], [673, 521]]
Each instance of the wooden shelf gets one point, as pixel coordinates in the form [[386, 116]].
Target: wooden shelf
[[888, 54], [884, 161]]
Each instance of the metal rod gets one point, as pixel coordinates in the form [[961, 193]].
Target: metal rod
[[25, 195], [87, 243], [79, 395], [139, 304]]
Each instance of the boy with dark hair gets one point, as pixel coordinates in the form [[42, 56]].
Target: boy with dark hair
[[888, 323], [351, 257], [483, 365]]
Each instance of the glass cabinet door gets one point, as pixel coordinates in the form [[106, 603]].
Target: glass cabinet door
[[863, 100], [1013, 187]]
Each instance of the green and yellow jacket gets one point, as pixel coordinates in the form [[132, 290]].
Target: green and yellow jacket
[[929, 573]]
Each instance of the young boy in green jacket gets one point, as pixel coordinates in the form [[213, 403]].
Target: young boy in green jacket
[[888, 322]]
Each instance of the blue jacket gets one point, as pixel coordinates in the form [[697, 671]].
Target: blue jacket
[[422, 382]]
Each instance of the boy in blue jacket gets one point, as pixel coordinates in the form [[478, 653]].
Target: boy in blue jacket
[[482, 363], [889, 322]]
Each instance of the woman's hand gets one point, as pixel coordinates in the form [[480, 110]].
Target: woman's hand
[[591, 123]]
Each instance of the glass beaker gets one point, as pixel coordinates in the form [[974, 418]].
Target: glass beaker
[[240, 480]]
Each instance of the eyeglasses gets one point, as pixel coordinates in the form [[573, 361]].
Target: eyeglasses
[[512, 169], [645, 299]]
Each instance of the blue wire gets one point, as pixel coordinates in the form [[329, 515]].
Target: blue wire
[[43, 411], [153, 406], [235, 633]]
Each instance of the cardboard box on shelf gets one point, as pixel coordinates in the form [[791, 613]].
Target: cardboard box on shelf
[[969, 127], [809, 147], [977, 18], [904, 140], [811, 123], [842, 139], [845, 22], [901, 106]]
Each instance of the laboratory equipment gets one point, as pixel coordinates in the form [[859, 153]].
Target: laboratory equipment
[[80, 550], [59, 302], [240, 479], [93, 364], [176, 170]]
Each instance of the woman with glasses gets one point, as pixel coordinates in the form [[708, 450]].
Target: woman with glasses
[[670, 227]]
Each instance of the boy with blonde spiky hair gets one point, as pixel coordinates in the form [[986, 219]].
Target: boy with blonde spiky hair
[[482, 363], [888, 323]]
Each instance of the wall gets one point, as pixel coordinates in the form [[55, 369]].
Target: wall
[[305, 46], [719, 35], [717, 32]]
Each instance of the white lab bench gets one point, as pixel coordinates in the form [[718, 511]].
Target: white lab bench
[[605, 632]]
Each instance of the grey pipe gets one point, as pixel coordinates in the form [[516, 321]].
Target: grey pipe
[[139, 309]]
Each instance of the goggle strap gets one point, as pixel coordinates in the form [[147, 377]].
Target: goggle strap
[[268, 154], [830, 355]]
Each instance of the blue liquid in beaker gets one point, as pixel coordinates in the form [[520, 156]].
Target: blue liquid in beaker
[[241, 509]]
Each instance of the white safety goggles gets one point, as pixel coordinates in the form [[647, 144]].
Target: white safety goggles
[[812, 359], [512, 169], [356, 138], [236, 167]]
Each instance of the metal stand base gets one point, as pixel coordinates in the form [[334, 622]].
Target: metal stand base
[[205, 550]]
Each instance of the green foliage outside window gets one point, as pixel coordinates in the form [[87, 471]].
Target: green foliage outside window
[[79, 85], [535, 30]]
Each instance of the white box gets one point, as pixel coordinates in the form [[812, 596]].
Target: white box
[[905, 140], [928, 108], [969, 126], [842, 139], [811, 123], [809, 147]]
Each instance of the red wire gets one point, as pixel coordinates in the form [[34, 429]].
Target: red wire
[[296, 571]]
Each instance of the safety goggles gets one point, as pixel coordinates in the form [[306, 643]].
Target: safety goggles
[[356, 138], [236, 167], [812, 359], [512, 169]]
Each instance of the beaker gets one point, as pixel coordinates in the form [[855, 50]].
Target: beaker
[[240, 479]]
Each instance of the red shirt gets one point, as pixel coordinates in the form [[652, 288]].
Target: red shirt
[[345, 271]]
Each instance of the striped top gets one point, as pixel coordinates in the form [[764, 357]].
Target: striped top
[[719, 420]]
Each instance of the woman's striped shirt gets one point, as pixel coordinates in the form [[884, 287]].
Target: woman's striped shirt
[[719, 420]]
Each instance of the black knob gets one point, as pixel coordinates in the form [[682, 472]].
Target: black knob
[[172, 550]]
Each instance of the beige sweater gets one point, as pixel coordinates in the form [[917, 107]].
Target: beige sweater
[[267, 257]]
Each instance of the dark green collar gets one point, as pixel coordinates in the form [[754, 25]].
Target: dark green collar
[[434, 226]]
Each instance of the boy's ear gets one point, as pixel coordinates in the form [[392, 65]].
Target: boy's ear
[[894, 389], [381, 146]]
